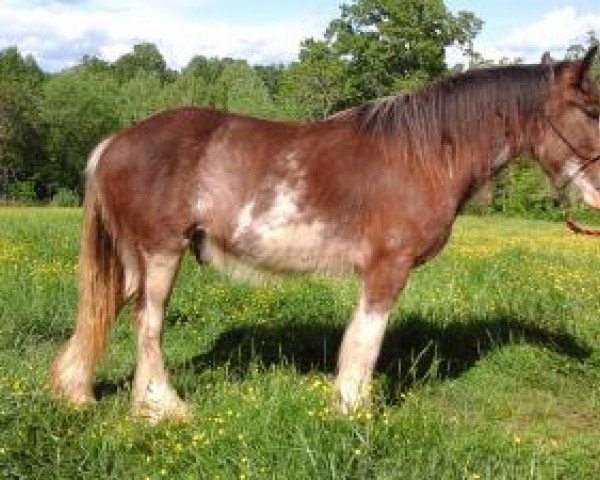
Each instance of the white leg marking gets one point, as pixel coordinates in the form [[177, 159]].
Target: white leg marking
[[72, 373], [358, 354], [153, 397]]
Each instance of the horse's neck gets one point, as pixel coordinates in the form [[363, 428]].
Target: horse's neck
[[478, 166]]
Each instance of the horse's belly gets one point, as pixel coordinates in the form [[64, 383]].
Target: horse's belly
[[255, 252], [302, 248]]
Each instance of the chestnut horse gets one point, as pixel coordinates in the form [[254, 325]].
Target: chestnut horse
[[372, 190]]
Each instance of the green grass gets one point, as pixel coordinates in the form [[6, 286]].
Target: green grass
[[490, 369]]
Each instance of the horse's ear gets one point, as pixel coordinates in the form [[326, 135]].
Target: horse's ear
[[548, 64], [586, 63]]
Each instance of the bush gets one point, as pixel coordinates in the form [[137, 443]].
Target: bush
[[22, 192], [65, 197]]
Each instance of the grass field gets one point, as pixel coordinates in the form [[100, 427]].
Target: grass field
[[490, 369]]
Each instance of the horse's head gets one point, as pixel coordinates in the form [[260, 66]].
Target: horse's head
[[569, 146]]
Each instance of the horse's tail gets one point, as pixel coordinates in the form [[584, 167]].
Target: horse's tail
[[100, 296]]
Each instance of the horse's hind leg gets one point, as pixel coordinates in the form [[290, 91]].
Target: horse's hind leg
[[153, 396]]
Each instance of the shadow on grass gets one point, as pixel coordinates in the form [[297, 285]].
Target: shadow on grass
[[414, 350]]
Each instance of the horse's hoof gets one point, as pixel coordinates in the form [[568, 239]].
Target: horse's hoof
[[352, 398], [155, 413], [160, 405], [75, 396]]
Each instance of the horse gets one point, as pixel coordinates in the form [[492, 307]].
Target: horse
[[371, 191]]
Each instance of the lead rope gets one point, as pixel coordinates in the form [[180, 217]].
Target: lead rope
[[576, 228]]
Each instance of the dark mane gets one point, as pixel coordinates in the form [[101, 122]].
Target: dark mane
[[457, 109]]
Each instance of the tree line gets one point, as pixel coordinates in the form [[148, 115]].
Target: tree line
[[49, 122]]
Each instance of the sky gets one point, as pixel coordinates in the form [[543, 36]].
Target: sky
[[58, 33]]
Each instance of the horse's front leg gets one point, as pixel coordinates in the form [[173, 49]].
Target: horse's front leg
[[362, 340]]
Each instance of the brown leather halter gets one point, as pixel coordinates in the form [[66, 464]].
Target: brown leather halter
[[571, 224]]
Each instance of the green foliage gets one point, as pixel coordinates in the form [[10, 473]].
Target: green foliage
[[80, 108], [239, 89], [22, 132], [523, 188], [146, 58], [140, 97], [187, 89], [65, 198], [13, 66], [271, 76], [22, 192], [208, 69], [389, 45], [314, 86]]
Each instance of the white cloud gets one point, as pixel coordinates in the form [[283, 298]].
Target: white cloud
[[58, 34], [553, 32]]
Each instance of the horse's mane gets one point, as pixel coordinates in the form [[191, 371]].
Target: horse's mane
[[456, 112]]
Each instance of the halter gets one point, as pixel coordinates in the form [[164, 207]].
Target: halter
[[587, 160], [573, 226]]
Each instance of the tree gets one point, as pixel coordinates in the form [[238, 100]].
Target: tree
[[271, 75], [186, 90], [145, 57], [139, 97], [239, 89], [376, 48], [80, 108], [22, 132], [314, 86], [390, 45], [93, 64], [209, 69], [13, 66]]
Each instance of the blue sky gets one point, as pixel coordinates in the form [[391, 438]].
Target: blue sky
[[59, 32]]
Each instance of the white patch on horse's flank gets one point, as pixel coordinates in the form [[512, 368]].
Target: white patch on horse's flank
[[285, 238], [244, 219], [284, 210], [96, 154], [358, 354]]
